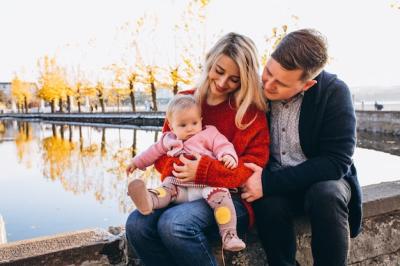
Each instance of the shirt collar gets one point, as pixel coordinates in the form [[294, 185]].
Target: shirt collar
[[294, 99]]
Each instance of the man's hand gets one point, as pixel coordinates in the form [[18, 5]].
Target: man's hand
[[187, 171], [229, 161], [252, 189]]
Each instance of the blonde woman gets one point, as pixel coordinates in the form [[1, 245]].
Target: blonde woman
[[231, 100]]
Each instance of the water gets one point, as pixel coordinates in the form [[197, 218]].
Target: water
[[57, 178]]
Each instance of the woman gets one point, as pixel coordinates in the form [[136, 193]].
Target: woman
[[232, 100]]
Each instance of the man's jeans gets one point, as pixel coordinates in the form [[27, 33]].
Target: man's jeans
[[177, 235], [325, 203]]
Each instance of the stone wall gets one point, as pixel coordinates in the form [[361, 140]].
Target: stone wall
[[386, 122], [378, 244]]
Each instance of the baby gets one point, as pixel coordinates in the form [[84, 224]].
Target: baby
[[187, 136]]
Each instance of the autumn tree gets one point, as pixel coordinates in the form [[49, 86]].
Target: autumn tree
[[53, 86], [21, 92], [177, 76], [119, 85], [149, 80]]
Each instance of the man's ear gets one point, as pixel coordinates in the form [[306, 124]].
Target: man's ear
[[309, 84]]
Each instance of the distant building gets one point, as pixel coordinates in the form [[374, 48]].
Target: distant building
[[5, 87]]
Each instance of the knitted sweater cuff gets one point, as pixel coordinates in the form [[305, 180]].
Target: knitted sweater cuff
[[202, 170]]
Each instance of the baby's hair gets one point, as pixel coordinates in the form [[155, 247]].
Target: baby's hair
[[181, 102]]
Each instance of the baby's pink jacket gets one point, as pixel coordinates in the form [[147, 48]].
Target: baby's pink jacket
[[209, 142]]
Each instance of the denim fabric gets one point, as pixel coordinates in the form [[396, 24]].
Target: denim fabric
[[179, 234], [325, 203]]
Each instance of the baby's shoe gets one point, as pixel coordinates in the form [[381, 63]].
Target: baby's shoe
[[140, 196], [231, 242]]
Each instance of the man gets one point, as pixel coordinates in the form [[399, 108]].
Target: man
[[313, 137]]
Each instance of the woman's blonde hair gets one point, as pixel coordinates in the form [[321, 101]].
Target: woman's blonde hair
[[181, 102], [243, 52]]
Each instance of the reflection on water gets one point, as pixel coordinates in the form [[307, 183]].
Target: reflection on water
[[70, 176], [57, 178]]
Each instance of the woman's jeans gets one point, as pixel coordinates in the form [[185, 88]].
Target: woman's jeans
[[176, 235], [325, 203]]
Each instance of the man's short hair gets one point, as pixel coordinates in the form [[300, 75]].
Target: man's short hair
[[304, 49]]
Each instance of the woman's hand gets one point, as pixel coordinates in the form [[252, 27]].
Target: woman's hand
[[187, 171]]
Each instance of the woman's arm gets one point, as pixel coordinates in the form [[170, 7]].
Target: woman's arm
[[213, 173], [252, 145]]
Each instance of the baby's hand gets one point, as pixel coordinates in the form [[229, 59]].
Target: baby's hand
[[229, 161], [131, 167]]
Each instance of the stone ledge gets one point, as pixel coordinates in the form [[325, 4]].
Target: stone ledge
[[381, 198], [378, 244], [79, 247]]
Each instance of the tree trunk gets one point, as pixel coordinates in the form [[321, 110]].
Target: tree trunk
[[100, 96], [132, 96], [101, 100], [26, 104], [53, 129], [60, 103], [62, 132], [27, 130], [53, 105], [80, 139], [78, 99], [134, 143], [102, 105], [70, 133], [69, 104], [175, 91], [154, 97], [103, 141]]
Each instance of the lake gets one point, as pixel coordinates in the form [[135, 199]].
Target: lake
[[58, 178]]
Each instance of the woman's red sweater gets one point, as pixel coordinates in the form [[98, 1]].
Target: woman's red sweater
[[251, 145]]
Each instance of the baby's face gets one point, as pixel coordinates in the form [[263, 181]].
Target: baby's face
[[186, 123]]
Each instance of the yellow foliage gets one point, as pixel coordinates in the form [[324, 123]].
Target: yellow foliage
[[277, 34], [53, 84], [57, 154], [20, 90], [22, 141], [2, 128]]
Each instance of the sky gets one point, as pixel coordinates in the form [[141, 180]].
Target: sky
[[362, 35]]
